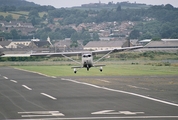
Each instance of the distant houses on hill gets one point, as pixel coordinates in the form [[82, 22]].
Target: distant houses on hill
[[24, 28], [25, 45]]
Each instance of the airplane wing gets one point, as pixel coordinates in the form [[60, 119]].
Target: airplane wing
[[69, 54], [59, 54], [15, 55], [115, 50]]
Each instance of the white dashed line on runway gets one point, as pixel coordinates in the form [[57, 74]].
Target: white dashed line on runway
[[137, 87], [103, 81], [49, 96], [26, 87], [13, 81], [5, 77]]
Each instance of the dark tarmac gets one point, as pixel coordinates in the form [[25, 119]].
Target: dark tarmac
[[31, 96]]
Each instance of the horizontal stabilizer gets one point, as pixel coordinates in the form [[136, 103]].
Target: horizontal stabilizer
[[77, 67], [98, 65]]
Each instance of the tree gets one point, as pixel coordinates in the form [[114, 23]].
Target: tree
[[9, 18], [75, 36], [95, 36], [135, 34], [1, 17], [67, 32], [22, 18], [33, 13], [119, 8], [14, 34], [174, 36]]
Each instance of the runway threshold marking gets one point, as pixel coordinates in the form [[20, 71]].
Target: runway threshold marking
[[113, 112], [40, 114], [120, 91], [26, 87], [99, 118], [49, 96]]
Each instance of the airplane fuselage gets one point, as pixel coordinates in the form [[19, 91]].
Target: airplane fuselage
[[87, 60]]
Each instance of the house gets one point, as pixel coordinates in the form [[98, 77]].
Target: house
[[63, 45], [8, 44], [24, 43], [24, 28], [162, 44], [106, 45], [14, 24], [42, 44]]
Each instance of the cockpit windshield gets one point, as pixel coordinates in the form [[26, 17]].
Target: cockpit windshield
[[86, 55]]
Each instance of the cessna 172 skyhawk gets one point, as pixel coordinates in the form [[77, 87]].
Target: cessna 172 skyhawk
[[87, 56]]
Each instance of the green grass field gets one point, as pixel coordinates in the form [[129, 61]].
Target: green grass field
[[109, 70], [17, 14]]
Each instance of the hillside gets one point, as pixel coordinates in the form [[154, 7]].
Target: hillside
[[17, 3], [111, 5]]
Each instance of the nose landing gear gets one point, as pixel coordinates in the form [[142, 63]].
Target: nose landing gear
[[101, 69], [75, 71]]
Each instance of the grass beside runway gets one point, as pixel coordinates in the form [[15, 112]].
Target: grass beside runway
[[109, 70]]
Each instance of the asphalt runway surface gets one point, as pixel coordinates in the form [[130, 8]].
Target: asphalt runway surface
[[31, 96]]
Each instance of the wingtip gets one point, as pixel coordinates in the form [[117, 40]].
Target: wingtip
[[2, 54]]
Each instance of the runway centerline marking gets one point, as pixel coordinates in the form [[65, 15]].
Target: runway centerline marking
[[138, 87], [26, 87], [5, 77], [13, 81], [120, 91], [103, 81], [49, 96]]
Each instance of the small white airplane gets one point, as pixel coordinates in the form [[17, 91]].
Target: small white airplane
[[87, 56]]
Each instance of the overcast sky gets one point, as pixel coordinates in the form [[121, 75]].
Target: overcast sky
[[71, 3]]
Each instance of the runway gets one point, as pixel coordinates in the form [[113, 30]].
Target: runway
[[32, 96]]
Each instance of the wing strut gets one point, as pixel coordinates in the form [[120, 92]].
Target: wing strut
[[104, 56], [71, 59]]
